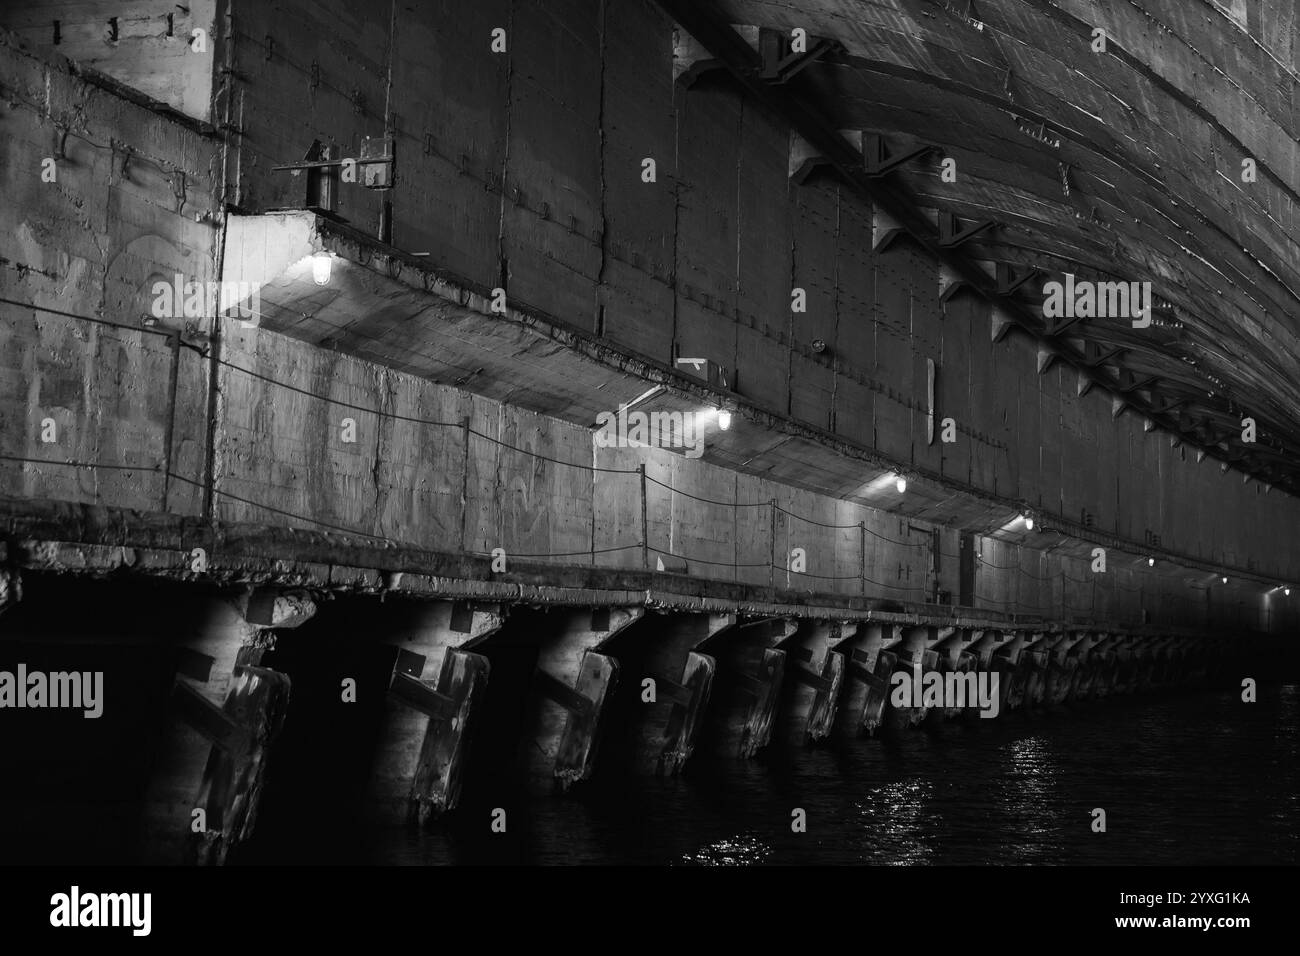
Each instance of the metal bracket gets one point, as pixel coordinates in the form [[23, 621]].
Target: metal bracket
[[951, 234], [1128, 383], [1094, 356], [779, 65], [1009, 282], [376, 164], [877, 163], [1055, 329]]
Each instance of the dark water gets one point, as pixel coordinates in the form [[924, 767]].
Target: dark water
[[1193, 778]]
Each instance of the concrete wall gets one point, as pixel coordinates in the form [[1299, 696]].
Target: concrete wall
[[131, 405], [148, 45], [523, 169], [118, 214]]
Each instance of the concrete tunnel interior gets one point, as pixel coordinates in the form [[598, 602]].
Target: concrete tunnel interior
[[407, 429]]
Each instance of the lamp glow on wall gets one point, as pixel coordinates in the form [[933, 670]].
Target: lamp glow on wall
[[900, 483], [321, 263], [724, 419], [1029, 521]]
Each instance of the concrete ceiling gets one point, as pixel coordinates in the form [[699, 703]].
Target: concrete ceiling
[[1124, 165], [376, 298], [378, 302]]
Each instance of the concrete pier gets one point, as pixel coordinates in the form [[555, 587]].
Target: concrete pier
[[429, 709], [1006, 659], [913, 659], [812, 681], [747, 687], [574, 683], [659, 722], [226, 714], [865, 684]]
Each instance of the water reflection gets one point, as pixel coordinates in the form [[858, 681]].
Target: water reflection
[[743, 850], [898, 822], [1027, 790], [1190, 779]]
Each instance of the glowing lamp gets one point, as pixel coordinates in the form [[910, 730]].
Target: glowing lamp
[[320, 268]]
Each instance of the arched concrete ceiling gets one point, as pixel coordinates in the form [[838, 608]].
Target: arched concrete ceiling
[[1124, 165]]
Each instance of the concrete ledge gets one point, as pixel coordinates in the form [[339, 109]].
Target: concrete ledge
[[65, 538]]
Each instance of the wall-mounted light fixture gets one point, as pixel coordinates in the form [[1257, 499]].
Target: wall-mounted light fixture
[[320, 268]]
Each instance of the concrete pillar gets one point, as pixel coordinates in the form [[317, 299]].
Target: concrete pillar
[[984, 645], [1153, 658], [1079, 650], [1126, 664], [951, 644], [865, 686], [1160, 673], [429, 710], [1203, 665], [968, 661], [1187, 662], [1006, 659], [574, 681], [1061, 668], [1179, 662], [1144, 647], [227, 712], [658, 732], [748, 686], [1033, 663], [1106, 653], [945, 644], [1176, 674], [1108, 650], [913, 659], [810, 688], [11, 585]]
